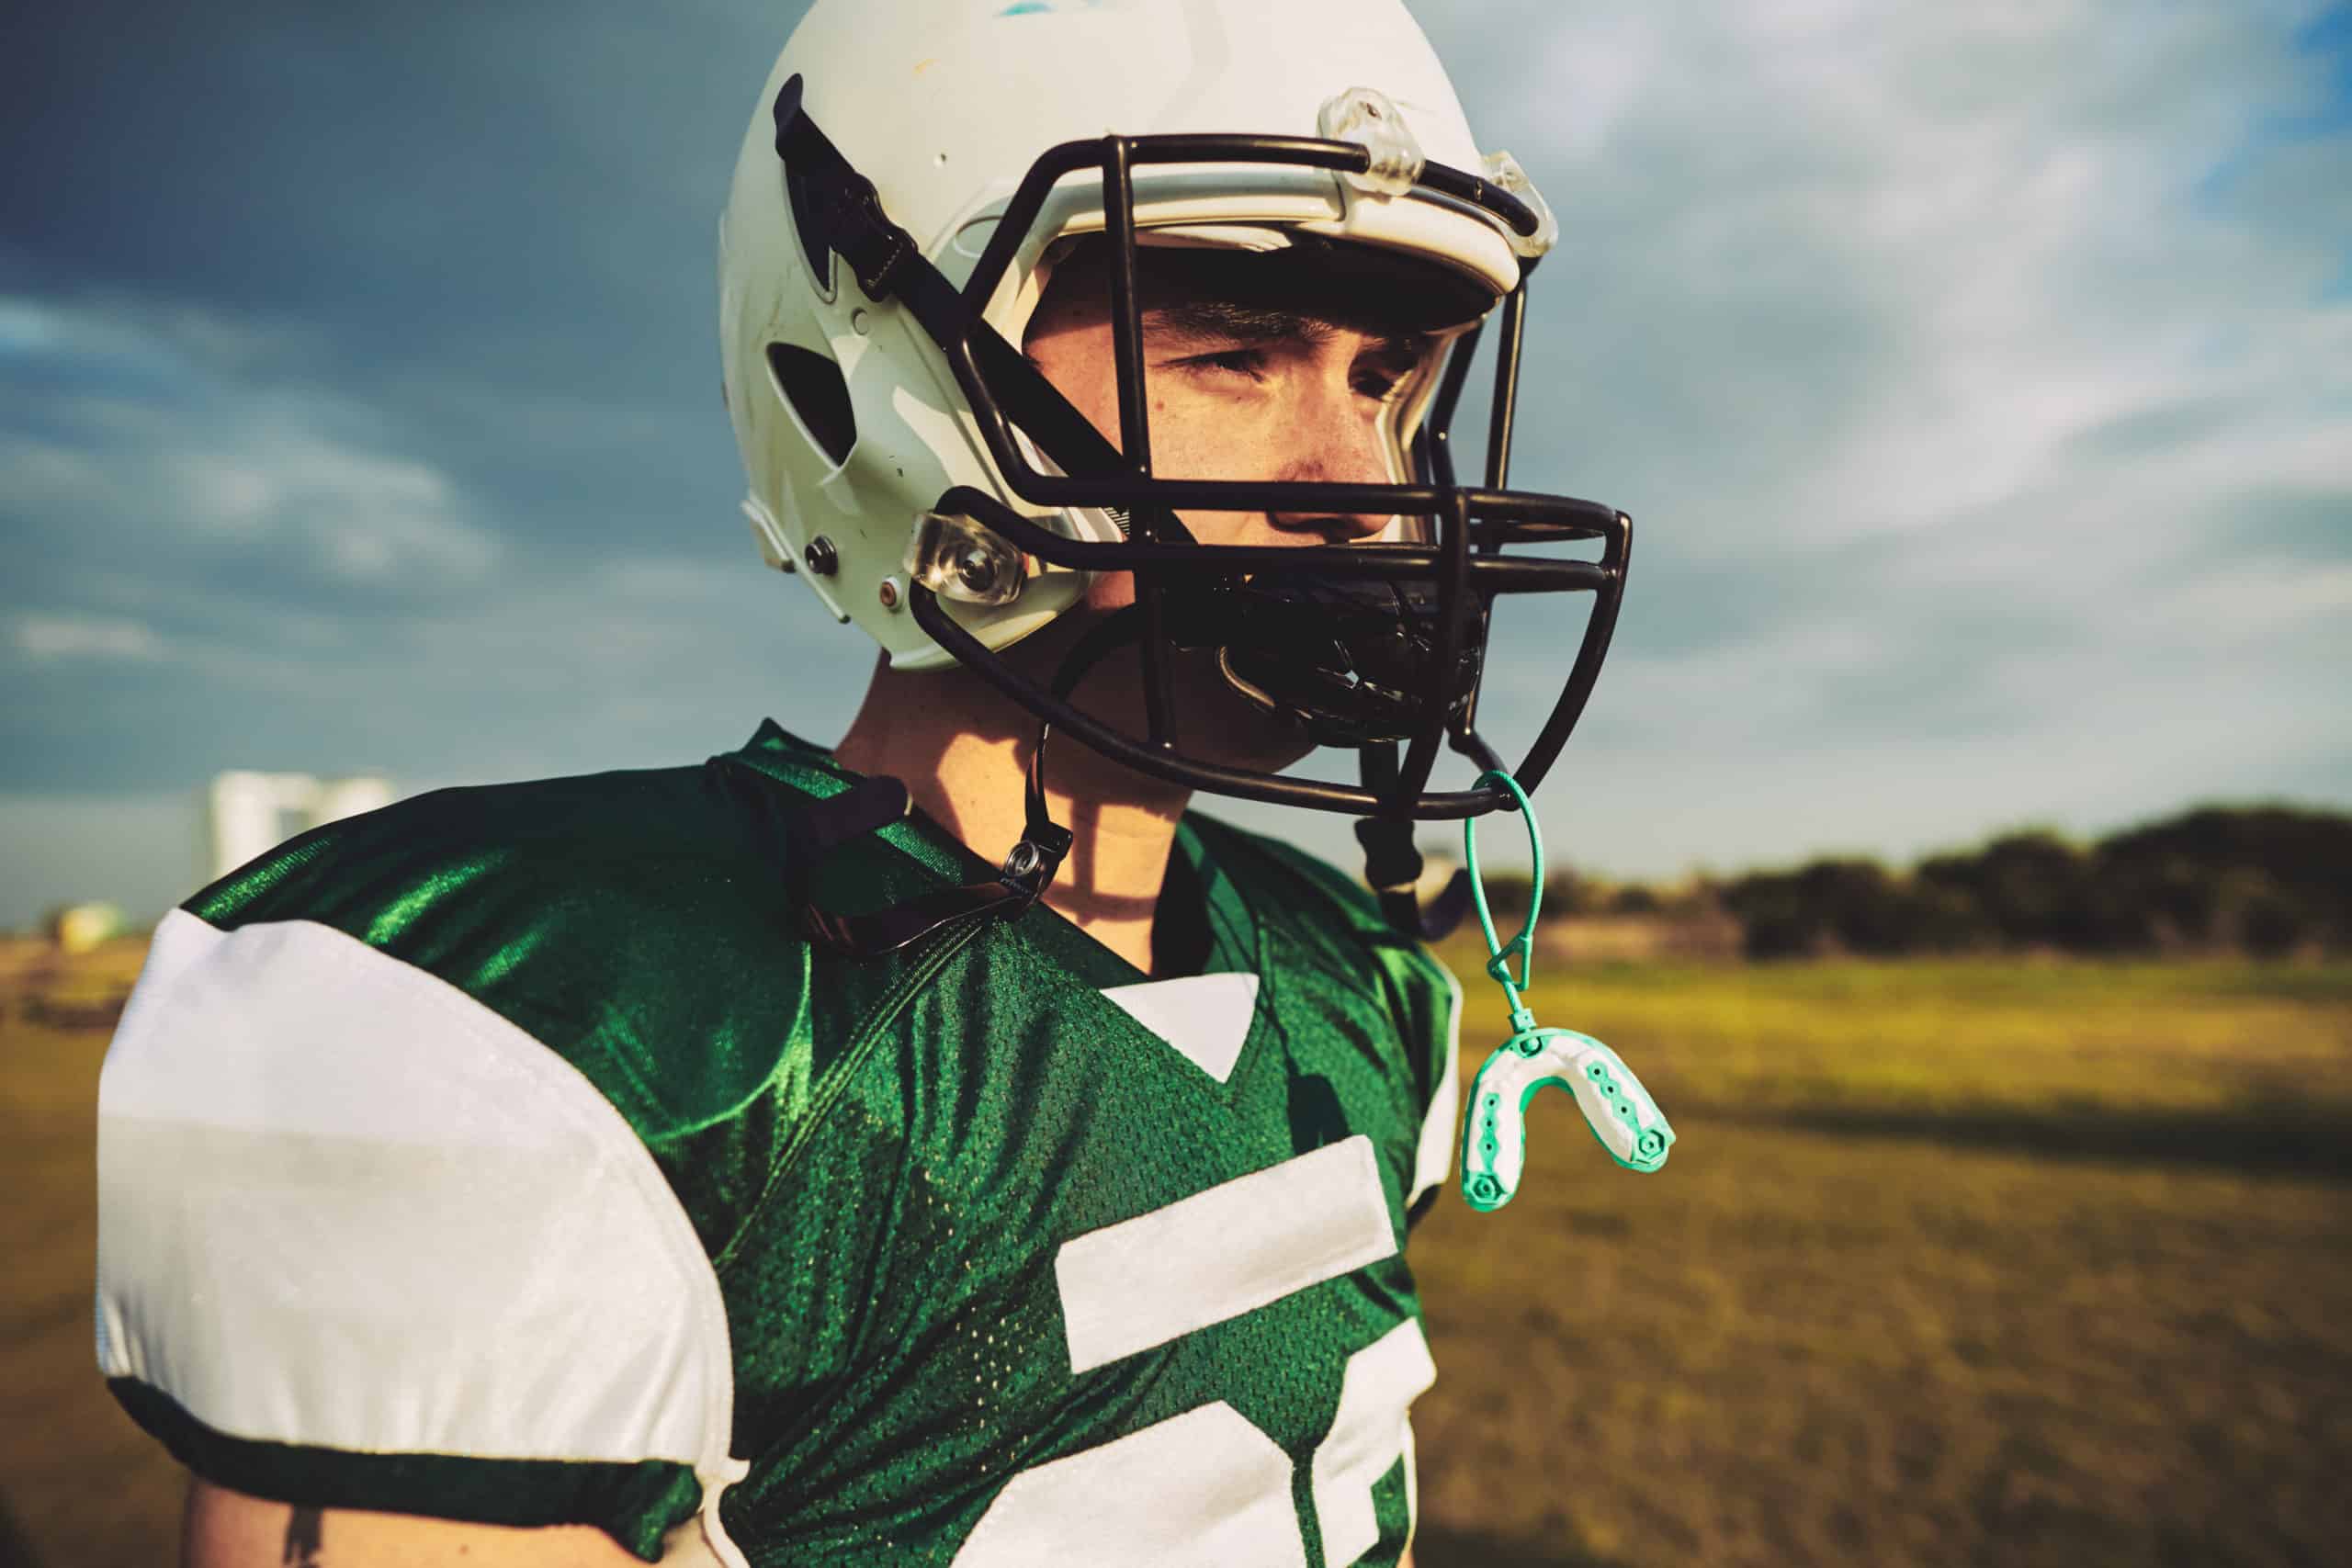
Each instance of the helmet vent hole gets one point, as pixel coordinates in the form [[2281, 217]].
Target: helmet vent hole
[[813, 388]]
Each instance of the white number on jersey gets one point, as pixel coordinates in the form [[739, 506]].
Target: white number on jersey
[[1207, 1486]]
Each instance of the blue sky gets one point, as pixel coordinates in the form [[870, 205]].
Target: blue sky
[[1980, 378]]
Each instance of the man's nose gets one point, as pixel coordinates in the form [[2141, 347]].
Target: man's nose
[[1336, 445]]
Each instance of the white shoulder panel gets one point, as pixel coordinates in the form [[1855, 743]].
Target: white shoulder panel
[[1434, 1158], [343, 1204]]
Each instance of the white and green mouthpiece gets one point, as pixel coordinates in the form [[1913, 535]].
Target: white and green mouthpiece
[[1622, 1116]]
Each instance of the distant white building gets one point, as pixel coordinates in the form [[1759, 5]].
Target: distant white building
[[253, 813]]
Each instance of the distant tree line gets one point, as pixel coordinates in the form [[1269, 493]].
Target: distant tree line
[[2267, 881]]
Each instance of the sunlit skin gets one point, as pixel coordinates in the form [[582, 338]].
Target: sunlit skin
[[1256, 395], [1263, 394]]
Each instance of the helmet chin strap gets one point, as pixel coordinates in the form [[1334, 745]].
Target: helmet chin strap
[[1392, 864], [873, 803], [1033, 862]]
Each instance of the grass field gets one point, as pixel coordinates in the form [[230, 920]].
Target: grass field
[[1954, 1263]]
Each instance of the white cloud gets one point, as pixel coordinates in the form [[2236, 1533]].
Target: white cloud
[[662, 579], [1988, 366], [191, 434], [45, 477], [2250, 605], [64, 635], [112, 327], [1998, 204], [362, 514]]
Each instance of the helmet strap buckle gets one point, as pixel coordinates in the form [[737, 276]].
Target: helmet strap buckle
[[877, 250]]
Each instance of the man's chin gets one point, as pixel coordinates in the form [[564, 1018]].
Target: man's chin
[[1215, 721], [1238, 733]]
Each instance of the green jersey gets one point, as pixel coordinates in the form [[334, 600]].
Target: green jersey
[[507, 1154]]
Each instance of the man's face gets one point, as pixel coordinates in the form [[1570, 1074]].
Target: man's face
[[1253, 371], [1247, 378]]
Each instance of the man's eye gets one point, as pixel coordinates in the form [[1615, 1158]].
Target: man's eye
[[1377, 385], [1250, 362]]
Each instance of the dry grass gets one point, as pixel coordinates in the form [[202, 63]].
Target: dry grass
[[80, 1486], [1954, 1264]]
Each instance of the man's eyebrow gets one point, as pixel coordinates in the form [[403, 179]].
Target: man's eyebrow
[[1413, 346], [1244, 323], [1223, 319]]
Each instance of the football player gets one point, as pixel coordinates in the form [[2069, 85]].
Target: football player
[[944, 1149]]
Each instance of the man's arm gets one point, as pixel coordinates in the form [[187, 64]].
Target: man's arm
[[228, 1530]]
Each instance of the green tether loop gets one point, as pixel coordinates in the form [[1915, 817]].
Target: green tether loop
[[1499, 953]]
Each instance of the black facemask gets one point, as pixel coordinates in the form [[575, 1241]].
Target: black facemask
[[1351, 661]]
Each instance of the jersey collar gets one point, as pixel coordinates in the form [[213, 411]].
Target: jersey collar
[[1209, 898]]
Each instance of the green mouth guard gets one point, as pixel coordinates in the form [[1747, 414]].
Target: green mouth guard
[[1620, 1111]]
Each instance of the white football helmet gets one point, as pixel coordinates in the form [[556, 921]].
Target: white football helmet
[[913, 171]]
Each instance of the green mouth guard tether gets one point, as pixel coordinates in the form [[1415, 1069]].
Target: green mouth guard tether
[[1616, 1107]]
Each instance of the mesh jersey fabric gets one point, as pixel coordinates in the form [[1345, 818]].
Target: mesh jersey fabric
[[1025, 1256]]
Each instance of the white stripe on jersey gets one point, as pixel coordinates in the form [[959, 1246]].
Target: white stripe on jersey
[[1434, 1161], [1219, 1253], [1202, 1487]]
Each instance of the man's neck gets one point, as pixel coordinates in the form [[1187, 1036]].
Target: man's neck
[[962, 749]]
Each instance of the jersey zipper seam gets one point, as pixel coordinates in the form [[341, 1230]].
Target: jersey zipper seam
[[827, 1094]]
